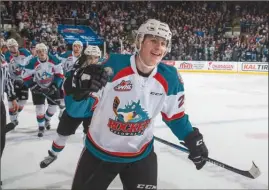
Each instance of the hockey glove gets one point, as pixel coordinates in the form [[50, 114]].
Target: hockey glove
[[198, 150], [52, 90], [18, 84], [35, 88], [91, 78]]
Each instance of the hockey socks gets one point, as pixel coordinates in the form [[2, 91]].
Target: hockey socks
[[57, 146]]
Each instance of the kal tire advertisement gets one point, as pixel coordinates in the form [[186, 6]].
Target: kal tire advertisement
[[256, 67]]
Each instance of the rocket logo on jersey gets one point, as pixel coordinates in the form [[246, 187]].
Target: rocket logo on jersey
[[131, 120], [16, 68], [124, 86], [44, 75]]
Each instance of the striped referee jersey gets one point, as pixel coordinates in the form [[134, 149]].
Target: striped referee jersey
[[6, 84]]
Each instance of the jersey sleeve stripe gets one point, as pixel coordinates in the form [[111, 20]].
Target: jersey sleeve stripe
[[162, 81], [174, 117], [27, 78], [59, 75], [96, 101], [123, 73]]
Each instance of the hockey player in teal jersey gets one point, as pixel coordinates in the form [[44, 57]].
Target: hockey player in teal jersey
[[77, 111], [44, 75], [17, 58], [120, 137]]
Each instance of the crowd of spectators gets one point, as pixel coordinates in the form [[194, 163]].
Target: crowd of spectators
[[199, 28]]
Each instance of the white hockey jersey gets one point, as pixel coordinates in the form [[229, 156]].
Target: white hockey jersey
[[122, 124], [68, 60], [44, 74], [17, 63]]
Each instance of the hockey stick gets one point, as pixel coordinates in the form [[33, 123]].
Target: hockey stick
[[253, 173], [50, 99]]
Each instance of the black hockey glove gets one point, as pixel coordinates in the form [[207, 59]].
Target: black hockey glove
[[52, 89], [18, 84], [91, 78], [198, 150], [35, 88]]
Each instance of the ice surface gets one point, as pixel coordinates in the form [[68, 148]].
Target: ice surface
[[230, 110]]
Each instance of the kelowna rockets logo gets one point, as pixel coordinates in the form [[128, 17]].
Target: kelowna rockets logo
[[131, 120]]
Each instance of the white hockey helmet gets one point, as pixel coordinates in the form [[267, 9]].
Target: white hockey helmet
[[41, 46], [77, 42], [155, 28], [12, 42], [92, 50]]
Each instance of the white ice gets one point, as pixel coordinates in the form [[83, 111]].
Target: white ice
[[230, 110]]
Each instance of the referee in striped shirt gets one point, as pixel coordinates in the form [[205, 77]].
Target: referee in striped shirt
[[6, 85]]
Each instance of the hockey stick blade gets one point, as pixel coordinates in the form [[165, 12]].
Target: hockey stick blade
[[253, 173]]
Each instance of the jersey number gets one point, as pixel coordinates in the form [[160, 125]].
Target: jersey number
[[181, 101]]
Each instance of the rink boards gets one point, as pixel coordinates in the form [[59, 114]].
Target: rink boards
[[259, 68]]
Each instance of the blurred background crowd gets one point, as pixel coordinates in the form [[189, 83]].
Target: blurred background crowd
[[220, 31]]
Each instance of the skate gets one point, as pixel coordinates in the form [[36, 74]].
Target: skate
[[47, 124], [41, 131], [48, 160], [10, 126]]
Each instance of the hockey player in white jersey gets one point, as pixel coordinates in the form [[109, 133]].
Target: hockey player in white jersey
[[120, 137], [68, 60], [44, 76], [17, 59], [70, 57]]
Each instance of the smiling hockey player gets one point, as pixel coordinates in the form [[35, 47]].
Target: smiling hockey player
[[120, 138], [44, 75]]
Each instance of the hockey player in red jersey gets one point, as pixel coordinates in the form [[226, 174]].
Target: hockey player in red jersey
[[120, 137]]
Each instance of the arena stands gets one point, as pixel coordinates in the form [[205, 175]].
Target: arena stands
[[201, 30]]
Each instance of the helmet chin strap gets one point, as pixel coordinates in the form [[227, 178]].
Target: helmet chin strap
[[144, 65]]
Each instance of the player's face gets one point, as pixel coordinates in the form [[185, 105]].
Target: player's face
[[13, 49], [76, 48], [92, 59], [153, 49], [42, 54]]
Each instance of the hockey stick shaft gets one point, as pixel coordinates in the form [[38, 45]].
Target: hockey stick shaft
[[50, 99], [253, 173]]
